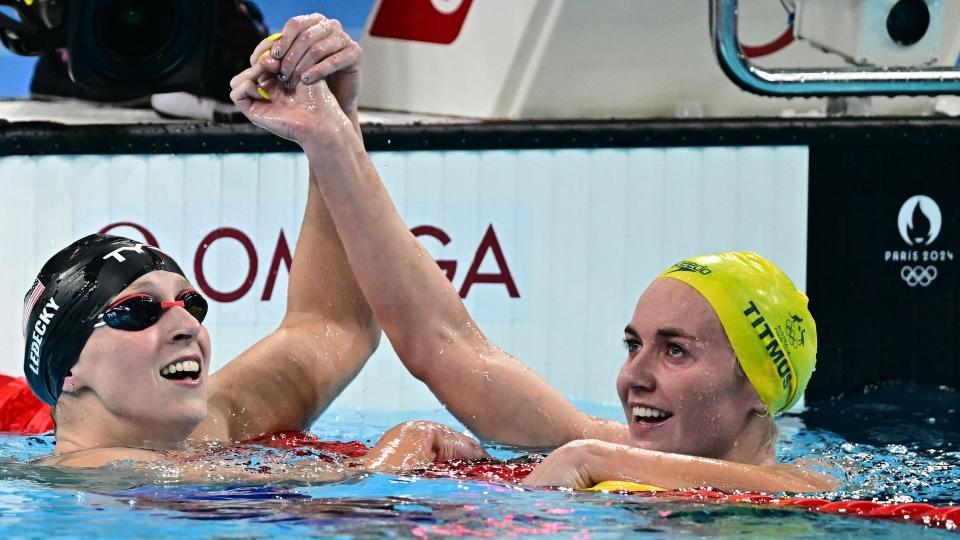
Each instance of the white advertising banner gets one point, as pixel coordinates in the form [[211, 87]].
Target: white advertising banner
[[549, 249]]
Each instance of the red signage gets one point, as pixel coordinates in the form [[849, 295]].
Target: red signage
[[430, 21]]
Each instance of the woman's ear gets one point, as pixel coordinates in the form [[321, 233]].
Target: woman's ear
[[761, 411], [756, 404], [72, 383], [759, 407]]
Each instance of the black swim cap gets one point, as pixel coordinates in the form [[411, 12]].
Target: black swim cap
[[70, 292]]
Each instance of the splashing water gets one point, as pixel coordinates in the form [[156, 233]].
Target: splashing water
[[874, 441]]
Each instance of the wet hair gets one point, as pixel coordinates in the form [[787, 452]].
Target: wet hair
[[62, 307], [741, 374]]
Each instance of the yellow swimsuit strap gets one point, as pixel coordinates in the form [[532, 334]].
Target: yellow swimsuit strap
[[620, 485]]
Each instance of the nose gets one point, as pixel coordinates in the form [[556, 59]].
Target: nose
[[638, 371], [181, 325]]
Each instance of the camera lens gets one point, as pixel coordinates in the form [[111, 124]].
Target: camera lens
[[122, 48], [908, 21], [137, 30]]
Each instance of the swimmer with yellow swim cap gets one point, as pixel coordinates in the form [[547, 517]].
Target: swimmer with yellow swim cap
[[717, 346]]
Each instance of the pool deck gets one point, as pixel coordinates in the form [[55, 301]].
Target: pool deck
[[76, 112]]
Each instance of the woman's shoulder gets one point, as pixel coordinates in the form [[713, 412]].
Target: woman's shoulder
[[100, 457]]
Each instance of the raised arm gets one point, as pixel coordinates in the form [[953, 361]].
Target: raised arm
[[496, 396], [287, 379], [492, 393]]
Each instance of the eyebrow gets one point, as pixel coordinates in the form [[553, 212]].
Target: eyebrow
[[662, 332], [676, 333]]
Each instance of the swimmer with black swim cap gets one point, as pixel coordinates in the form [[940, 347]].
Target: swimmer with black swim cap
[[74, 294], [114, 334]]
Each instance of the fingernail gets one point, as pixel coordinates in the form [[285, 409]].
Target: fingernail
[[282, 75], [305, 79], [263, 93], [288, 84], [264, 55], [274, 37]]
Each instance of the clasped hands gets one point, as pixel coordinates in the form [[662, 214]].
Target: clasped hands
[[302, 83]]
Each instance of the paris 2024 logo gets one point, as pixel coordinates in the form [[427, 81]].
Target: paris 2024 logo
[[919, 223]]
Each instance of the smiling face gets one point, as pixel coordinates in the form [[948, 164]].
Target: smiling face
[[142, 379], [680, 387]]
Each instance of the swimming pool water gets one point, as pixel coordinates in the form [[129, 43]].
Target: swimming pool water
[[896, 443]]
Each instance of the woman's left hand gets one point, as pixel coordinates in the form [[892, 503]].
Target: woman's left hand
[[303, 82]]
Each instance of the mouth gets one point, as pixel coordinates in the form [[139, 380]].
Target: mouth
[[181, 370], [649, 415]]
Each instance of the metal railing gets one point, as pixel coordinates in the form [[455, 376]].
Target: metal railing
[[859, 81]]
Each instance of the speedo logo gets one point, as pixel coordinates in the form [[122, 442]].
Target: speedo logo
[[39, 330], [690, 266], [769, 340]]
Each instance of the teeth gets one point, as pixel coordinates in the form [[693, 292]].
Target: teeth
[[649, 412], [187, 365]]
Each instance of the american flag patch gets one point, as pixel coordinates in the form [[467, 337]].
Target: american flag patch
[[29, 302]]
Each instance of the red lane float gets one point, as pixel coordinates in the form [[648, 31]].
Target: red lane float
[[946, 517], [301, 443], [21, 412], [479, 470]]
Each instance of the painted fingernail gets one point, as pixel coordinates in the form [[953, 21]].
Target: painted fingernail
[[288, 84], [305, 79], [282, 75], [274, 37], [265, 54], [263, 93], [276, 52]]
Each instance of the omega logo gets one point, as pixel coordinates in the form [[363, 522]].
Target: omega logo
[[282, 255]]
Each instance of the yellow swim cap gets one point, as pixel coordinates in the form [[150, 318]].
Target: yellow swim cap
[[765, 318]]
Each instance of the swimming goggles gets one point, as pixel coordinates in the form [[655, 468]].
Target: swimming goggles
[[140, 311]]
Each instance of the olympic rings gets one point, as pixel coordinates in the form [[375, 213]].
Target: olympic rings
[[918, 275]]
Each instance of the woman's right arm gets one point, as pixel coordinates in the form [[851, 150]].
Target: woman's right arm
[[493, 394], [583, 464]]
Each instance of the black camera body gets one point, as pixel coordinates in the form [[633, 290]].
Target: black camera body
[[123, 50], [127, 47]]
